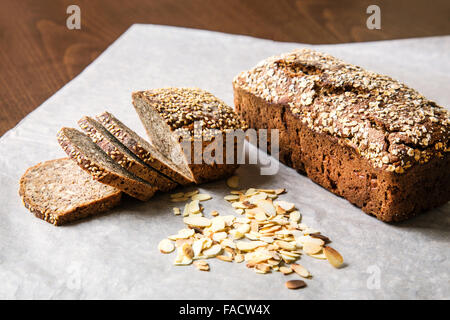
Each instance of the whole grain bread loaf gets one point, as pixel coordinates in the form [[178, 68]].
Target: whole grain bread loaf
[[144, 150], [364, 136], [59, 192], [184, 123], [100, 166], [120, 154]]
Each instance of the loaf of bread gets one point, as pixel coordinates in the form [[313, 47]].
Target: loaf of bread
[[174, 115], [51, 191], [364, 136]]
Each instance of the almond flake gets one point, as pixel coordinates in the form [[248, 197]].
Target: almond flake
[[219, 236], [333, 257], [176, 211], [183, 234], [225, 258], [311, 248], [252, 236], [201, 197], [309, 239], [200, 222], [213, 251], [249, 246], [285, 245], [300, 270], [266, 239], [201, 266], [228, 243], [320, 255], [228, 220], [214, 213], [242, 220], [257, 197], [295, 216], [187, 250], [236, 234], [166, 246], [285, 270], [287, 259], [197, 247], [191, 193], [262, 268], [243, 228], [231, 197], [251, 192], [181, 242], [238, 205], [287, 206], [181, 259], [218, 224], [239, 258], [267, 206]]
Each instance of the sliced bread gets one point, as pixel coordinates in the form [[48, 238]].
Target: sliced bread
[[100, 166], [171, 115], [120, 154], [51, 191], [144, 150]]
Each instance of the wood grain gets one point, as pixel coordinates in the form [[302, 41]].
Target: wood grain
[[38, 54]]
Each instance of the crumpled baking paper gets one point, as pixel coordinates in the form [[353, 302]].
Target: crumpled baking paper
[[115, 255]]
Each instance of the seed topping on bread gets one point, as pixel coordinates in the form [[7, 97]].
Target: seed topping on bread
[[181, 108], [387, 122]]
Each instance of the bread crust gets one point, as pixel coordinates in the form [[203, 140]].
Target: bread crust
[[132, 165], [119, 130], [339, 168], [135, 188], [60, 218]]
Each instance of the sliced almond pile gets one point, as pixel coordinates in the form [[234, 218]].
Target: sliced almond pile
[[268, 234]]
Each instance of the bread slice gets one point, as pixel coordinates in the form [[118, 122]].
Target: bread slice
[[100, 166], [120, 154], [169, 114], [51, 190], [144, 150]]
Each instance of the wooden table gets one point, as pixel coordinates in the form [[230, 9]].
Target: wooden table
[[39, 54]]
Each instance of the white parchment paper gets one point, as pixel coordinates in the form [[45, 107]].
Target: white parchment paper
[[115, 255]]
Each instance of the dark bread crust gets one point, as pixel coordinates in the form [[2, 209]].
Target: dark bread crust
[[339, 168], [141, 149], [136, 188], [83, 210], [133, 165]]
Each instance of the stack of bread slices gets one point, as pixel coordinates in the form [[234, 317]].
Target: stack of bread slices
[[107, 158]]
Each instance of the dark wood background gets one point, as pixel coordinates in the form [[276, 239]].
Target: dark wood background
[[38, 54]]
